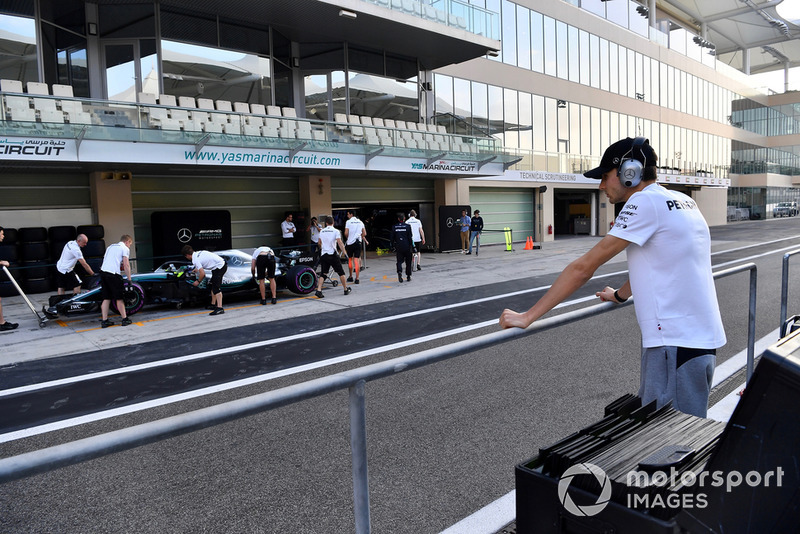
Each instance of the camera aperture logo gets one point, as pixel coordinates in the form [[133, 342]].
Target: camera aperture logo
[[566, 480], [692, 495]]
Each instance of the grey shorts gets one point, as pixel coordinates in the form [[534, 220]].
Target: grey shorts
[[678, 374]]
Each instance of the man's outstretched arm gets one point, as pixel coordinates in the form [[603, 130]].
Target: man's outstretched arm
[[573, 277]]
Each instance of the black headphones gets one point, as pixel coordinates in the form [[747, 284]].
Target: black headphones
[[630, 170]]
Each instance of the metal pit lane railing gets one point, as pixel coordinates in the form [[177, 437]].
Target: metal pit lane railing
[[785, 287], [43, 460]]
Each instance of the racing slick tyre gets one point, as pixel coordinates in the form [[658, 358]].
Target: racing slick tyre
[[95, 248], [133, 299], [10, 236], [34, 251], [37, 285], [301, 279], [9, 253], [61, 233], [32, 234], [92, 231]]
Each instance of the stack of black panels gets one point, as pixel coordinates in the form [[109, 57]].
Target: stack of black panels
[[628, 435]]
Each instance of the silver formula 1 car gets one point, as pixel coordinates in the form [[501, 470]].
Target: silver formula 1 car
[[172, 283]]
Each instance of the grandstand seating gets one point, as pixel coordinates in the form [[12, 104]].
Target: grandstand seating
[[168, 112]]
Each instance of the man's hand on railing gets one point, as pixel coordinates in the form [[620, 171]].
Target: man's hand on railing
[[606, 295], [512, 319]]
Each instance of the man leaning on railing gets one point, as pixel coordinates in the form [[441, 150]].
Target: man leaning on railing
[[664, 233]]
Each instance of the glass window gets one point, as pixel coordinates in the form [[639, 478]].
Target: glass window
[[677, 39], [214, 73], [538, 123], [682, 88], [617, 12], [574, 54], [594, 42], [525, 121], [631, 73], [496, 111], [510, 118], [671, 87], [604, 128], [318, 94], [637, 20], [443, 86], [598, 7], [73, 69], [693, 50], [562, 65], [339, 100], [120, 71], [586, 130], [613, 126], [480, 106], [462, 100], [550, 50], [574, 134], [618, 73], [597, 150], [551, 123], [604, 67], [585, 53], [523, 38], [509, 40], [537, 42], [18, 53]]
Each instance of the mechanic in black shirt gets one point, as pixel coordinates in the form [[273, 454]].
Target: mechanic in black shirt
[[403, 242]]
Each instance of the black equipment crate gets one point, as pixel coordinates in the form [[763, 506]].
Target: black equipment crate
[[762, 436], [539, 511]]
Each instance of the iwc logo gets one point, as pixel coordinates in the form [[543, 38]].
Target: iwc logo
[[589, 509], [184, 235]]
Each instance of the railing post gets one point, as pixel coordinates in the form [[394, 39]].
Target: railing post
[[785, 287], [751, 325], [358, 450]]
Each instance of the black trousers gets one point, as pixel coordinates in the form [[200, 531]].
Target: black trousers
[[404, 256]]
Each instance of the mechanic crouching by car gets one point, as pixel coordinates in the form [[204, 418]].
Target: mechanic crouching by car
[[203, 261], [263, 267]]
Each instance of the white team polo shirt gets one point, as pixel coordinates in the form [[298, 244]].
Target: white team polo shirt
[[113, 257], [415, 225], [354, 227], [208, 261], [669, 261], [69, 257], [327, 239]]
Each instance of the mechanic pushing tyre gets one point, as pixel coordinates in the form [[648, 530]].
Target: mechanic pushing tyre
[[133, 298], [301, 279]]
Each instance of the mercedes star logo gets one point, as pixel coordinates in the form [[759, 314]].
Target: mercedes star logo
[[184, 235]]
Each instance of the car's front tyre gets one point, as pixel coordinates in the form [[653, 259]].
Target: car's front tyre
[[133, 298], [301, 279]]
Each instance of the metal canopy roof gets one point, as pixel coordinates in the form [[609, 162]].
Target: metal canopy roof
[[734, 26]]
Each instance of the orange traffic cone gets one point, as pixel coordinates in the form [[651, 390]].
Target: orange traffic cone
[[528, 243]]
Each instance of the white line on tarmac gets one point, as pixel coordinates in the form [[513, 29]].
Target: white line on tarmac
[[99, 416], [314, 333], [27, 432]]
